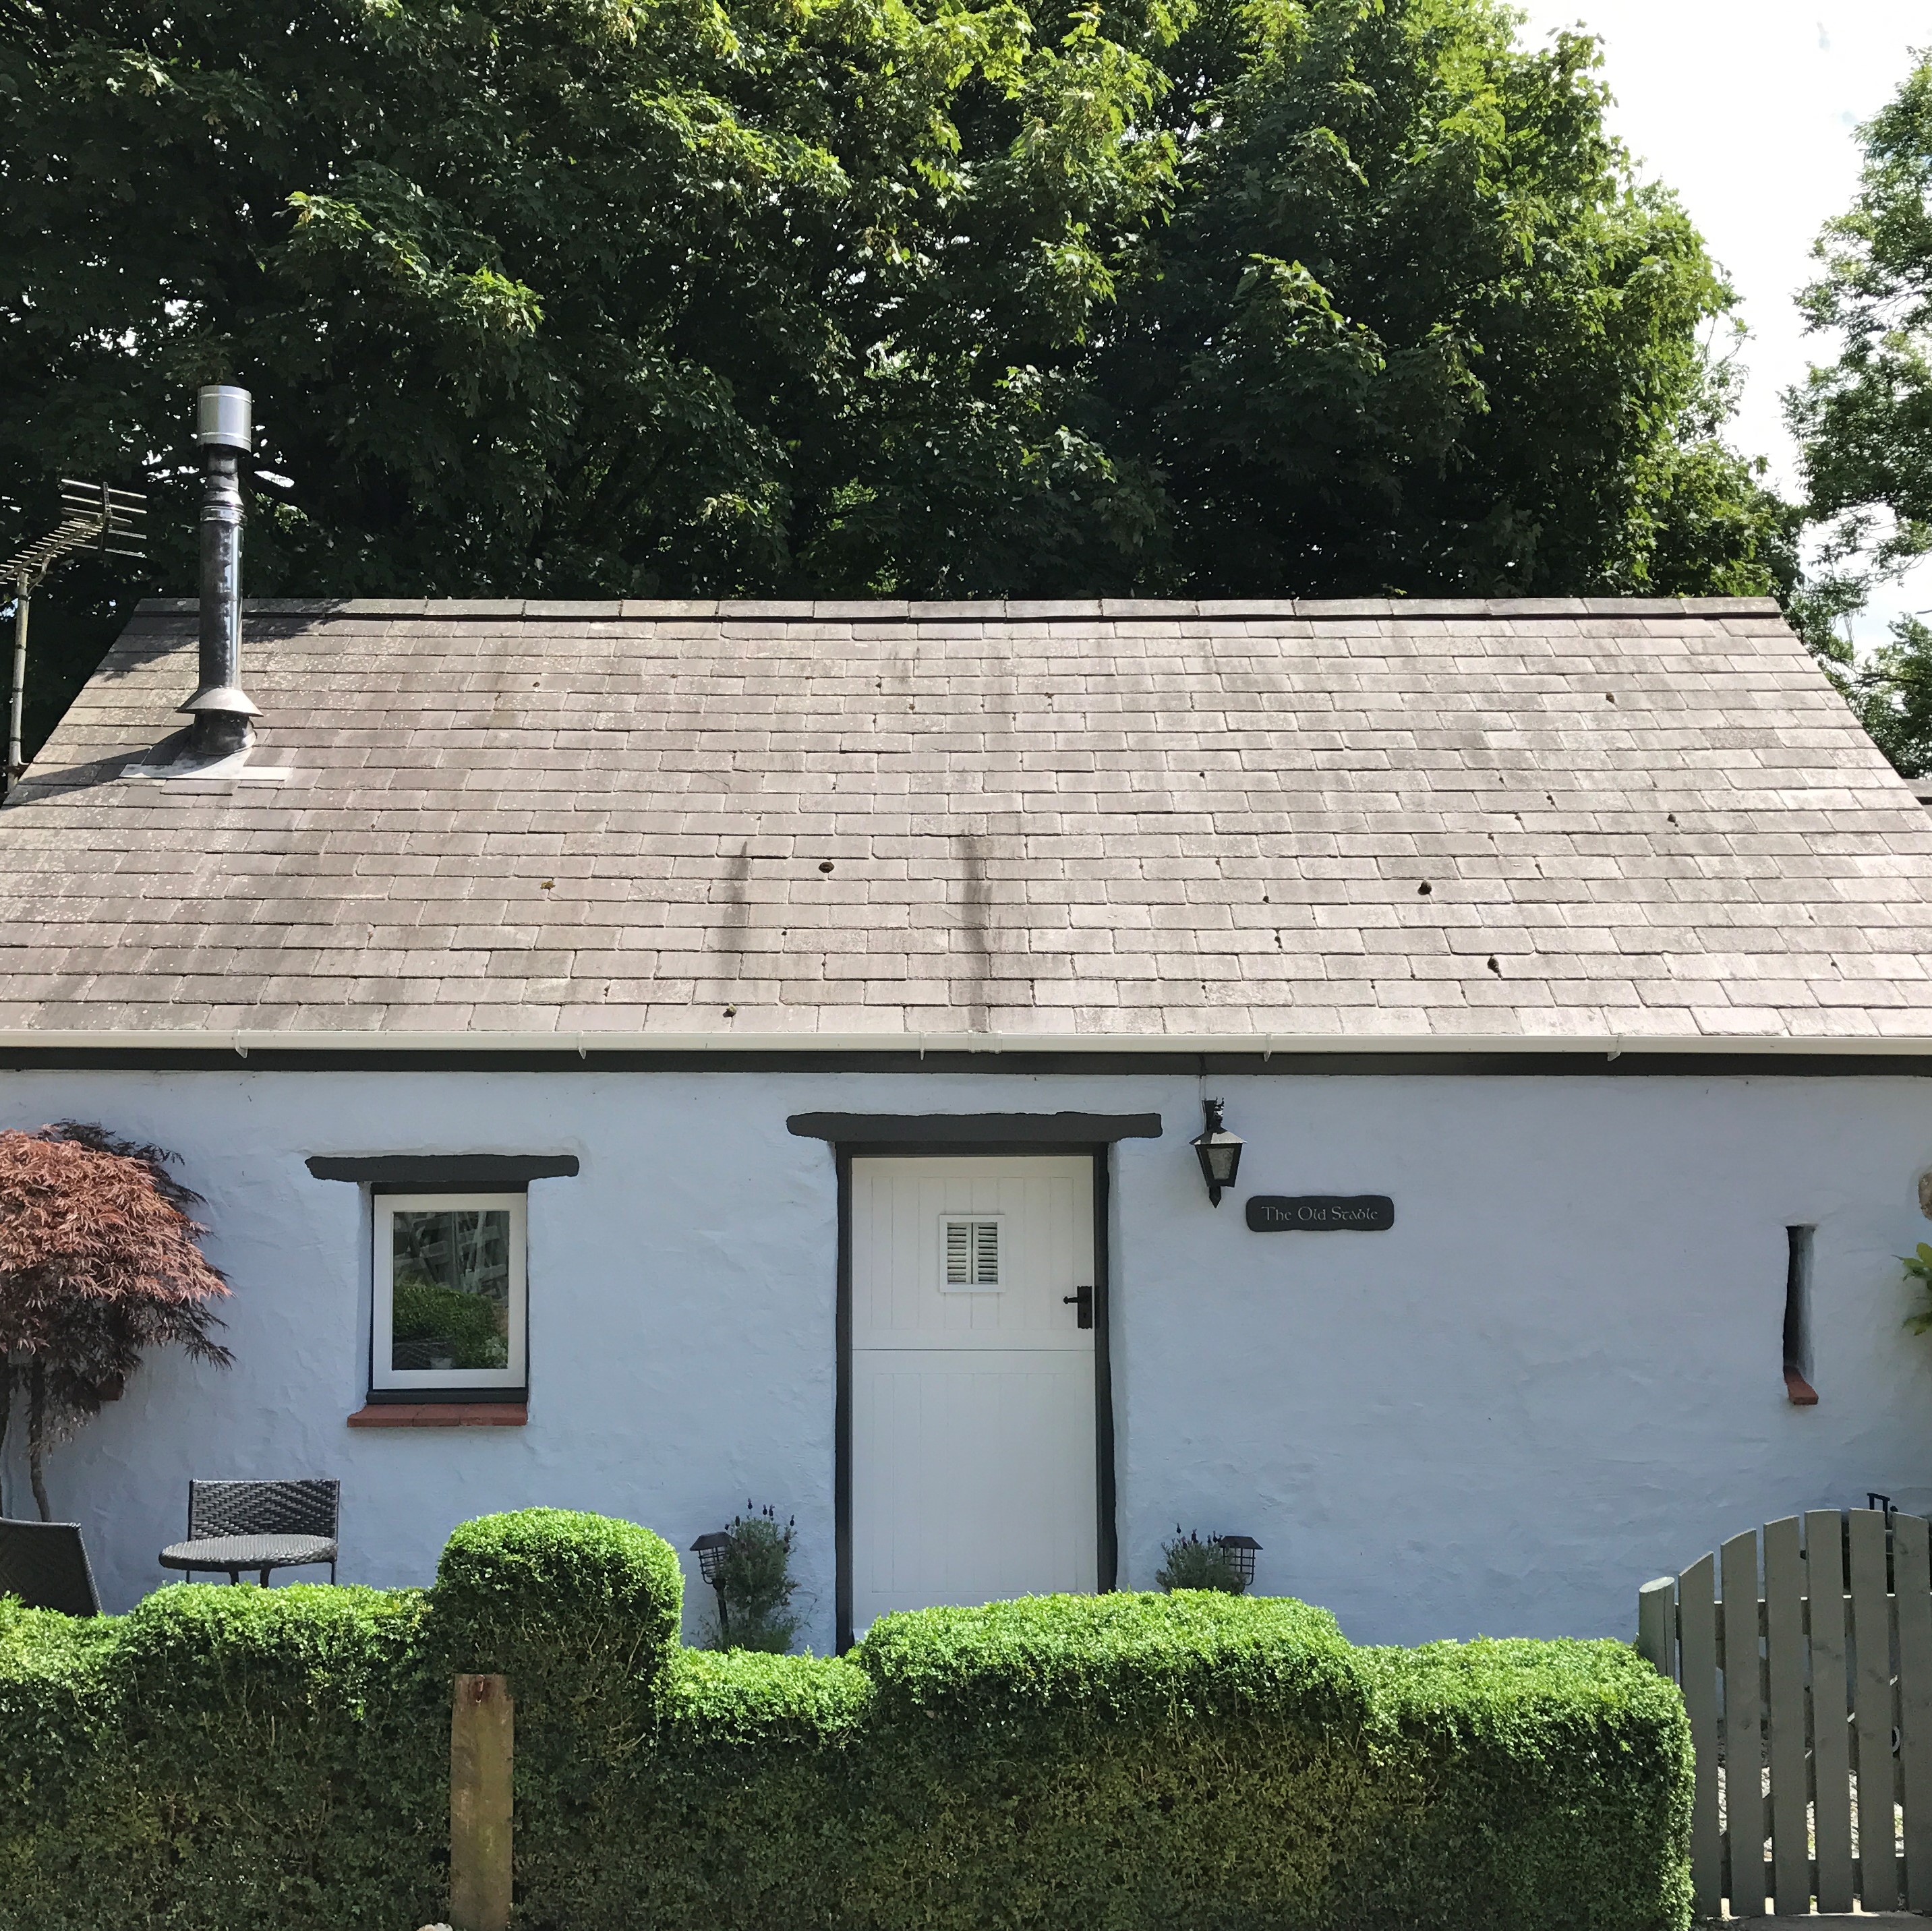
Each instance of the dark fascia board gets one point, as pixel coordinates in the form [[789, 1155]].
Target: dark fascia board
[[472, 1172], [980, 1130], [1284, 1063]]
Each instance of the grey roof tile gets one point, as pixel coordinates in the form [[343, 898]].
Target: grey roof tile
[[1115, 819]]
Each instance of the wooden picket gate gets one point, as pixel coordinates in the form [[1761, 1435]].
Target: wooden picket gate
[[1814, 1758]]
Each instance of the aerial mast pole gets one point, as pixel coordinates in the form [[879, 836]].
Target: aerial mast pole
[[93, 517]]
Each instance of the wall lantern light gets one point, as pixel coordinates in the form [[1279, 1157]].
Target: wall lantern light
[[1220, 1151], [1241, 1550]]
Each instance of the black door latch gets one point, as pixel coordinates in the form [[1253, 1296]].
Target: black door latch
[[1081, 1302]]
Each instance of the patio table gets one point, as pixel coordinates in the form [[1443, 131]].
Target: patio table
[[235, 1553]]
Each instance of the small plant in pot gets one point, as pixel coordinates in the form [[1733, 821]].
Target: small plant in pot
[[1919, 1267], [748, 1563], [1189, 1562]]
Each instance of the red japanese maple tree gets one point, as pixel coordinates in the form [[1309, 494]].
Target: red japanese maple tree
[[98, 1263]]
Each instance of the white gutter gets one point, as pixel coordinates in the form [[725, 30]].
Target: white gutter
[[1611, 1045]]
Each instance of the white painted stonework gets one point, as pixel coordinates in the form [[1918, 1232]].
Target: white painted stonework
[[1558, 1375]]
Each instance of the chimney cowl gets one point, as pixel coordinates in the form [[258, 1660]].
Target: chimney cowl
[[224, 418]]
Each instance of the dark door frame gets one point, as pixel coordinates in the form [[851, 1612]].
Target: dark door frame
[[1106, 1528]]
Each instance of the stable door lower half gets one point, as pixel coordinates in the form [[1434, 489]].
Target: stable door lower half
[[974, 1458]]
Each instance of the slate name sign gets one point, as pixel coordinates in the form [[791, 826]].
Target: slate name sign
[[1321, 1213]]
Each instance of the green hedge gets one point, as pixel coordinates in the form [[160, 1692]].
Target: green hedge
[[229, 1757]]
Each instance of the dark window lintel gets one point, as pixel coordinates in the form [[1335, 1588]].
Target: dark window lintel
[[471, 1173]]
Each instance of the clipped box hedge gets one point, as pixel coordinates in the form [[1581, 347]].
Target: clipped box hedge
[[237, 1757]]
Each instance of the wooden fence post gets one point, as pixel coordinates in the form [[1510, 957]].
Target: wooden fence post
[[1657, 1626], [1744, 1818], [1697, 1676], [1912, 1586], [1831, 1707], [1872, 1716], [1785, 1665], [481, 1727]]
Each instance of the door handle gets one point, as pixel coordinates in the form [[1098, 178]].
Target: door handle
[[1081, 1302]]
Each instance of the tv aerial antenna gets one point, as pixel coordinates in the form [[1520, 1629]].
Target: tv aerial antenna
[[93, 516]]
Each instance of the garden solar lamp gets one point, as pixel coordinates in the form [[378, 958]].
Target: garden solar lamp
[[709, 1549], [1241, 1550], [1219, 1150]]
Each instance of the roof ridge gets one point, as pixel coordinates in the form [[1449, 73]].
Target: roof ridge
[[1009, 610]]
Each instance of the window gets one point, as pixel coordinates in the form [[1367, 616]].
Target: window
[[449, 1311], [971, 1249], [1798, 1317]]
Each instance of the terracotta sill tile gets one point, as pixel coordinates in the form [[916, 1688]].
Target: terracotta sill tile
[[441, 1414]]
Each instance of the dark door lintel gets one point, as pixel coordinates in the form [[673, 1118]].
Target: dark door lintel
[[973, 1132]]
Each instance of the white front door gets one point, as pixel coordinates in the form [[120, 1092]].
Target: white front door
[[974, 1462]]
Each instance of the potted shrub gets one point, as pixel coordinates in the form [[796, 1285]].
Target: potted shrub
[[749, 1565], [1223, 1562]]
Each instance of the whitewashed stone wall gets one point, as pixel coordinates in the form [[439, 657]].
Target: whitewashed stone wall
[[1558, 1375]]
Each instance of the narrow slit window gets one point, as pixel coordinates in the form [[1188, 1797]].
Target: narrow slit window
[[1798, 1317], [972, 1250]]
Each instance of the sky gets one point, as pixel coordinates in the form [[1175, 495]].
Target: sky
[[1748, 108]]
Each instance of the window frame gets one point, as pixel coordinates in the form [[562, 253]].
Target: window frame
[[494, 1383]]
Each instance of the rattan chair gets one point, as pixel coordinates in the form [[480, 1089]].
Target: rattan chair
[[45, 1564], [220, 1514]]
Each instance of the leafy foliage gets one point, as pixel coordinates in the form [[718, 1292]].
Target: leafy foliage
[[98, 1263], [565, 1604], [1544, 1734], [1864, 421], [1134, 1658], [1918, 1265], [1413, 327], [1891, 692], [639, 297], [571, 298], [465, 1326], [226, 1756], [223, 1756]]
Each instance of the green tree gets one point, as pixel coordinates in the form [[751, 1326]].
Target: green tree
[[570, 296], [1864, 420], [1891, 692], [553, 295], [939, 297], [1414, 327], [100, 1262]]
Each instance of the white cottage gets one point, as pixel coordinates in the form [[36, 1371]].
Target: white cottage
[[640, 1057]]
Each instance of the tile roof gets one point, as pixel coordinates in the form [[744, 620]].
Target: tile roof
[[1363, 823]]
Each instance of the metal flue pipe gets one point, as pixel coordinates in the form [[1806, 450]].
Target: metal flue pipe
[[223, 714], [23, 604]]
